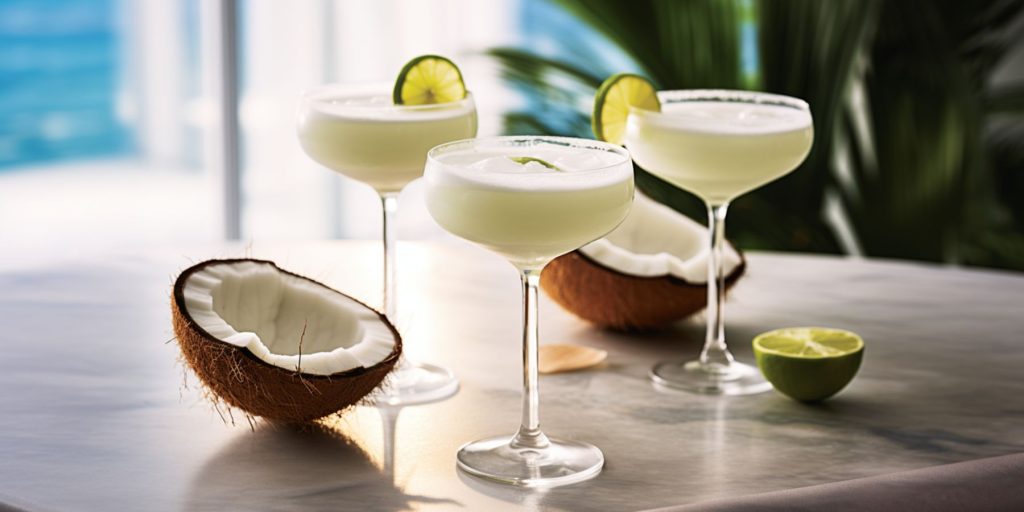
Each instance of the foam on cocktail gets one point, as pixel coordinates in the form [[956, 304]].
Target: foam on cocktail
[[733, 118], [378, 107], [496, 168]]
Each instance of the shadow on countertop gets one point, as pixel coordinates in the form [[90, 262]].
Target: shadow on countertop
[[295, 467]]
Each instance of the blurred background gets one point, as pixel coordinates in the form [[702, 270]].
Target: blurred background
[[171, 122]]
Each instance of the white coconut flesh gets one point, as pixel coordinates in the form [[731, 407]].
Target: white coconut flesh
[[655, 240], [258, 307]]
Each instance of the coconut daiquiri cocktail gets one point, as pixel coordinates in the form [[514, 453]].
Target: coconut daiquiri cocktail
[[716, 144], [719, 149], [529, 209], [380, 135], [529, 199], [358, 131]]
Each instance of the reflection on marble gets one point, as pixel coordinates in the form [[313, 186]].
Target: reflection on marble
[[292, 468], [91, 417]]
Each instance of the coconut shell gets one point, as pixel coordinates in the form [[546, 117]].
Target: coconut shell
[[241, 380], [610, 299]]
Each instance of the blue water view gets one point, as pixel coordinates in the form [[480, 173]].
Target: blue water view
[[60, 67]]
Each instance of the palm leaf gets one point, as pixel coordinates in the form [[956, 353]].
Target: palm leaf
[[904, 158], [807, 50], [924, 190], [519, 64], [1008, 99]]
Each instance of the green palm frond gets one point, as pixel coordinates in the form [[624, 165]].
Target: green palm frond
[[915, 156], [807, 50], [1005, 100], [927, 192], [531, 68], [679, 45]]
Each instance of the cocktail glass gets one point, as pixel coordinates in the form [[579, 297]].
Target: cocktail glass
[[529, 199], [718, 145], [356, 130]]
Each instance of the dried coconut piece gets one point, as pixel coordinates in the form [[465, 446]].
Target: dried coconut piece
[[568, 358]]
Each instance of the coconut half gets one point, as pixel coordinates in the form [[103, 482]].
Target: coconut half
[[647, 273], [276, 344]]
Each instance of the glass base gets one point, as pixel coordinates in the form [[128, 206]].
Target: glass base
[[692, 376], [416, 383], [559, 463]]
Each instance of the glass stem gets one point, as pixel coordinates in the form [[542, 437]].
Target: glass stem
[[530, 435], [715, 357], [390, 206], [389, 202]]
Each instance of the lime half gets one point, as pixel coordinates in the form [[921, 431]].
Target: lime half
[[613, 100], [809, 363], [428, 79]]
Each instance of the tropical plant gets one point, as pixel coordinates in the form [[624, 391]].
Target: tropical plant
[[915, 155]]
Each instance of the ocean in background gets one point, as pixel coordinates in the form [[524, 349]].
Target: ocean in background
[[61, 67]]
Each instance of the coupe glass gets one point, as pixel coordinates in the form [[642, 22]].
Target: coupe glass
[[529, 214], [356, 130], [718, 144]]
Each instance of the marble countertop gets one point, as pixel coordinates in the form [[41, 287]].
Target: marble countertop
[[96, 413]]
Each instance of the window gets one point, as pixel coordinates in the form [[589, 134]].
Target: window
[[109, 114]]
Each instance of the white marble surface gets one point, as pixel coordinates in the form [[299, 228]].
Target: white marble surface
[[94, 414]]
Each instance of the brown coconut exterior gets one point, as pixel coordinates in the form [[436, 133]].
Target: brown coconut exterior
[[242, 380], [610, 299]]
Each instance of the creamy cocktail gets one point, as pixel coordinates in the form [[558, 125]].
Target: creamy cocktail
[[359, 131], [529, 199], [529, 203], [718, 145], [719, 150]]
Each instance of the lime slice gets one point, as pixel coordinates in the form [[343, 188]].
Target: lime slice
[[523, 160], [612, 102], [429, 79], [809, 363]]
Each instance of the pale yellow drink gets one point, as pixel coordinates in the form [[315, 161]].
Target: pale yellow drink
[[719, 150], [718, 144], [529, 213], [358, 132]]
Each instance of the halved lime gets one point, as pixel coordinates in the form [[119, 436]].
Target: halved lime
[[612, 102], [809, 363], [428, 79]]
